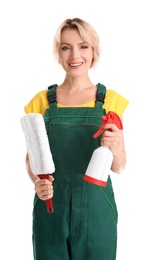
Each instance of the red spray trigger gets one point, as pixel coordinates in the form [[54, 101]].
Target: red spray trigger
[[110, 118]]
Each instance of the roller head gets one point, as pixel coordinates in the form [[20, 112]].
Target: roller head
[[40, 156]]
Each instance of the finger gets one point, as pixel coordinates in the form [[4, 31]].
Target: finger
[[46, 194], [51, 178], [111, 127]]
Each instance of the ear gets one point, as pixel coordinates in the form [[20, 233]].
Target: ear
[[92, 62]]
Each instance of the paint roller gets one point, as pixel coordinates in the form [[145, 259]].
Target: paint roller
[[40, 157]]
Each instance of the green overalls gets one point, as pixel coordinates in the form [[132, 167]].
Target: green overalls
[[83, 225]]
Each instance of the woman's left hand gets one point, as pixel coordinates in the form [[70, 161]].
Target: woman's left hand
[[112, 137]]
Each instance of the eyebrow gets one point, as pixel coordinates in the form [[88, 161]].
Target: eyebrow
[[71, 44]]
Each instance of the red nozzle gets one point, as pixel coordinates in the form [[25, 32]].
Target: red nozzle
[[110, 118]]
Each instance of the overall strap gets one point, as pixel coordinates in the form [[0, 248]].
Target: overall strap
[[51, 94], [100, 96]]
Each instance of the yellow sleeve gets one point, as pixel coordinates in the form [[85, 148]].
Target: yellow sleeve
[[38, 104], [115, 102]]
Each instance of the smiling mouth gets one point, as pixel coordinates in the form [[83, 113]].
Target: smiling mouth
[[75, 64]]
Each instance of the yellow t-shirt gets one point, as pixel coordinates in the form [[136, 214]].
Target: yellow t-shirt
[[113, 102]]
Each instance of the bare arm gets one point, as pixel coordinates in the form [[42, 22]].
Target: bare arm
[[32, 176]]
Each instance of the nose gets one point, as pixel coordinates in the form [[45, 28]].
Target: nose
[[75, 53]]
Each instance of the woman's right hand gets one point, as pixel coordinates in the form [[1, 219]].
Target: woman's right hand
[[44, 188]]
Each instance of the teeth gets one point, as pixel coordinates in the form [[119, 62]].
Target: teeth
[[75, 65]]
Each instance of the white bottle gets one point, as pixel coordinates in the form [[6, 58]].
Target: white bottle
[[99, 166], [101, 160]]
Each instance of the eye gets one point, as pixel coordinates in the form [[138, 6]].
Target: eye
[[64, 48], [84, 47]]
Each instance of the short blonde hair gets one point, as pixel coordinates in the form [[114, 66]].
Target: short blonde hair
[[87, 33]]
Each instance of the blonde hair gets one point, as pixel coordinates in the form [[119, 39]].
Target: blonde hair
[[87, 33]]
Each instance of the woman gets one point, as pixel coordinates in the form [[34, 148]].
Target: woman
[[84, 223]]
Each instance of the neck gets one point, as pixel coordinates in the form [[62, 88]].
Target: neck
[[77, 83]]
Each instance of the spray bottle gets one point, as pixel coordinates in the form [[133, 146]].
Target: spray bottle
[[101, 160]]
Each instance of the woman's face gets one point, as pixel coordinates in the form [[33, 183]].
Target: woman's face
[[75, 55]]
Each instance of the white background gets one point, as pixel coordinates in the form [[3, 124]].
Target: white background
[[27, 66]]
